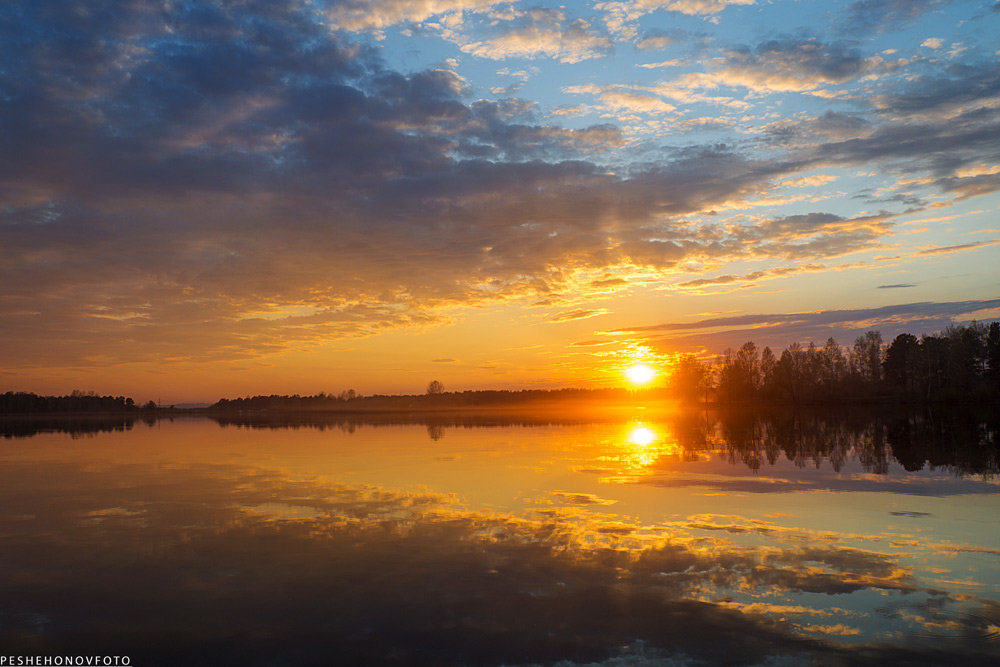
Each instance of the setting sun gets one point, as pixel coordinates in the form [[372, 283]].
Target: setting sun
[[640, 374]]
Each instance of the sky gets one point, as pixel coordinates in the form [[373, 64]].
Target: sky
[[207, 199]]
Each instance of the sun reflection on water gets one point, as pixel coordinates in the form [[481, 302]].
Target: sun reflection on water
[[645, 446], [641, 436]]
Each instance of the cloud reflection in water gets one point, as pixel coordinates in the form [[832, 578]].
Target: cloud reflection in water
[[209, 562]]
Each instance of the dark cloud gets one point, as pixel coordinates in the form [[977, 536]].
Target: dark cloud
[[941, 121], [807, 60], [947, 250], [831, 126], [954, 87], [928, 309], [936, 124], [780, 329], [897, 286], [880, 15]]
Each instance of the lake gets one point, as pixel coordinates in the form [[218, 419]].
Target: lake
[[654, 539]]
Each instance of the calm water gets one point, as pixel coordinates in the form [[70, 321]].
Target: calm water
[[697, 540]]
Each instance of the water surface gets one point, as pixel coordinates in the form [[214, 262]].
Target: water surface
[[700, 539]]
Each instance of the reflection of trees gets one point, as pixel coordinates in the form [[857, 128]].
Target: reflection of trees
[[351, 422], [957, 441], [77, 425], [964, 442]]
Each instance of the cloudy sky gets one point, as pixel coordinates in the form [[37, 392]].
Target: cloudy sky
[[201, 199]]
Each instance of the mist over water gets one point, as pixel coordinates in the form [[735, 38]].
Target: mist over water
[[702, 539]]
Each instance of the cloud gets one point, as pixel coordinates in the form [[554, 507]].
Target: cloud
[[584, 499], [879, 15], [777, 330], [621, 17], [172, 192], [922, 309], [347, 572], [855, 484], [838, 629], [808, 181], [380, 14], [786, 64], [540, 33], [655, 39], [943, 128], [951, 249], [950, 93], [831, 126], [579, 314], [729, 279], [619, 13], [618, 99], [594, 342], [896, 286], [192, 214]]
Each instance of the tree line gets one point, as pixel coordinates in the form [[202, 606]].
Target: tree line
[[959, 364], [78, 401], [435, 399]]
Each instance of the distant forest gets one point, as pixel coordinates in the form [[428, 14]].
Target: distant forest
[[79, 401], [958, 365], [435, 399]]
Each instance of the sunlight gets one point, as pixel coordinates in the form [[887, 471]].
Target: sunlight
[[640, 374], [641, 436]]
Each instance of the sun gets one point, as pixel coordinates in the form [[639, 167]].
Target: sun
[[640, 374]]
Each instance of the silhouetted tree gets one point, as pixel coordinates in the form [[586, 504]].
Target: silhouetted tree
[[832, 367], [900, 364], [789, 372], [739, 376], [768, 390], [866, 359], [690, 378], [435, 387], [993, 357]]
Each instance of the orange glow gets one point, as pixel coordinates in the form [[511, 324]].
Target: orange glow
[[640, 374], [641, 436]]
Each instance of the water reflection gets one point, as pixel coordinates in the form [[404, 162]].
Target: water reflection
[[641, 436], [75, 425], [628, 543]]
